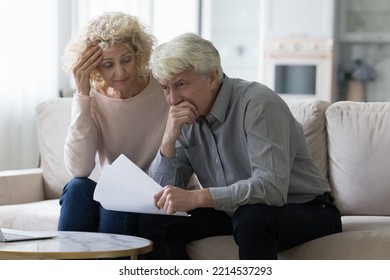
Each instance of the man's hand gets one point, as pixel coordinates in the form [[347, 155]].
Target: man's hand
[[173, 199], [180, 114]]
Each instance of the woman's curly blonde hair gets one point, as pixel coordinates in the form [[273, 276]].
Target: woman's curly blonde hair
[[110, 28]]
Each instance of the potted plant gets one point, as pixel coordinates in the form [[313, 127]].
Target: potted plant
[[355, 74]]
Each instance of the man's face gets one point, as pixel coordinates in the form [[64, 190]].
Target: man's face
[[197, 89]]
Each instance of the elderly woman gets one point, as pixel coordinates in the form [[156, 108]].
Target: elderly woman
[[117, 106]]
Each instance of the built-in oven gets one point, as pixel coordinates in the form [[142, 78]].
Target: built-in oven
[[299, 68]]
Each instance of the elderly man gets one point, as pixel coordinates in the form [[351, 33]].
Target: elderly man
[[259, 181]]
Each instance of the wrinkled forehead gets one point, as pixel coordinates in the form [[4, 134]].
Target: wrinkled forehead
[[185, 75], [116, 50]]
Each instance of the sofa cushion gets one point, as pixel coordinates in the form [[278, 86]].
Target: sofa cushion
[[363, 238], [359, 156], [221, 247], [53, 118], [21, 186], [40, 215], [310, 114]]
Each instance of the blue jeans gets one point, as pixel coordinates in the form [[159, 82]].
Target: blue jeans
[[260, 231], [79, 212]]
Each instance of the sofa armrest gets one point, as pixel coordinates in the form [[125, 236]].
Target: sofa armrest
[[21, 186]]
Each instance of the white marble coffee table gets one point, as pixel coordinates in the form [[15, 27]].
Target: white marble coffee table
[[77, 245]]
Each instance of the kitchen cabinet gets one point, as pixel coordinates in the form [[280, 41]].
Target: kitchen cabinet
[[308, 19], [364, 20]]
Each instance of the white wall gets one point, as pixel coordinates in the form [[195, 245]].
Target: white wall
[[234, 28]]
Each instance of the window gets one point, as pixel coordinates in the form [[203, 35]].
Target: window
[[28, 73], [165, 18]]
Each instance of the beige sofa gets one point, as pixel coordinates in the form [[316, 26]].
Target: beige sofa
[[349, 141]]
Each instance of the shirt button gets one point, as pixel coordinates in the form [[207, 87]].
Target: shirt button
[[217, 161]]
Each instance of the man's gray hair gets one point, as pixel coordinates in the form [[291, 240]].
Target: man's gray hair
[[184, 52]]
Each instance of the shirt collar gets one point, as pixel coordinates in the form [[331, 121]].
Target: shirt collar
[[219, 108]]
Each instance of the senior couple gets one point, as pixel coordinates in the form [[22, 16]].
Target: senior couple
[[259, 181]]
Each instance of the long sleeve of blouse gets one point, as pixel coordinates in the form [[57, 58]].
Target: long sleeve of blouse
[[81, 141]]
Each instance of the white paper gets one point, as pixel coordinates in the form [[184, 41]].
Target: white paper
[[123, 186]]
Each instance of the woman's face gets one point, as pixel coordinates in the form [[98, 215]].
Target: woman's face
[[118, 70]]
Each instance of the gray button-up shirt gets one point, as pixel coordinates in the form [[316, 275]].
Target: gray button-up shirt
[[248, 149]]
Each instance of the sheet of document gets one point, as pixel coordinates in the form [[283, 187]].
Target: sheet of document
[[123, 186]]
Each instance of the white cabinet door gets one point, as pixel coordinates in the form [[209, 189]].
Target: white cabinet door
[[299, 18]]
